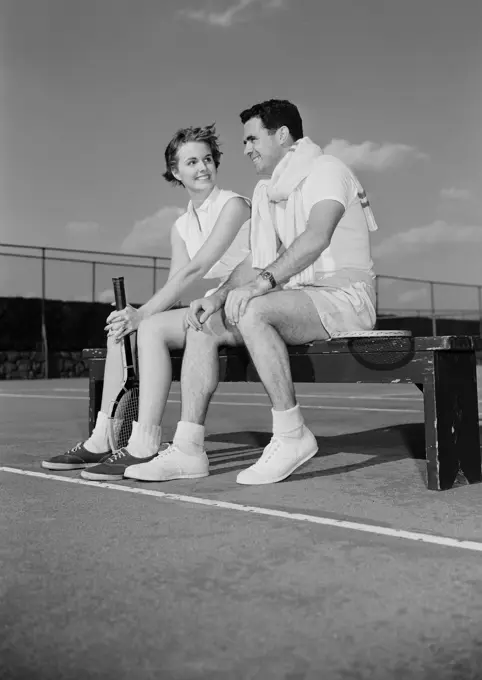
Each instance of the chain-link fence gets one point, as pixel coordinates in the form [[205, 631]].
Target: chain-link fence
[[409, 297], [86, 276]]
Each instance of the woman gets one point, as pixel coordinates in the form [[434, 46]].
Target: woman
[[208, 241]]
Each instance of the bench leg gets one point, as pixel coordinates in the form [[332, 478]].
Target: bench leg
[[96, 384], [452, 440]]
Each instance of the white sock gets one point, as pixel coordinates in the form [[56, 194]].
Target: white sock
[[189, 437], [98, 442], [288, 423], [145, 440]]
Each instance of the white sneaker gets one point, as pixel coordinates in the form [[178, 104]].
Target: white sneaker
[[280, 459], [170, 463]]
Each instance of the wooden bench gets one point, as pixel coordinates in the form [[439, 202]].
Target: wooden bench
[[444, 368]]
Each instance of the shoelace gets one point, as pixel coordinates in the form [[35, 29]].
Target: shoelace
[[270, 450], [121, 453], [170, 448], [76, 448]]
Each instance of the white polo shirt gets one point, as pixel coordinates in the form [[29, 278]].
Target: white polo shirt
[[195, 226], [350, 244]]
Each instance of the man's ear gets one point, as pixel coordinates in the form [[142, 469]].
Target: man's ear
[[283, 135]]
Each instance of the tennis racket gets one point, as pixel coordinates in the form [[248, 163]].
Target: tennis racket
[[125, 407]]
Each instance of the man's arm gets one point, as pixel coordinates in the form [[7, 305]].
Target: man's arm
[[307, 248], [304, 251]]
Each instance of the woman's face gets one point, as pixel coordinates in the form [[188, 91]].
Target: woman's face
[[195, 167]]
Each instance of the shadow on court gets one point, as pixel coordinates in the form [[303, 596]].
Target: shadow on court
[[385, 444]]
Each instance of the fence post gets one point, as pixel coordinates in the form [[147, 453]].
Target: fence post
[[377, 293], [43, 320], [432, 308], [93, 281], [154, 275], [479, 288]]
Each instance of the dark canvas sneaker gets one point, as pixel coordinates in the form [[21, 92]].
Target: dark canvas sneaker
[[114, 466], [76, 458]]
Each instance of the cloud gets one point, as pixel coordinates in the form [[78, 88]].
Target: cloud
[[373, 156], [230, 15], [106, 295], [436, 233], [413, 295], [456, 194], [151, 236]]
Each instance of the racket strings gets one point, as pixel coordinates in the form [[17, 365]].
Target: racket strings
[[125, 414]]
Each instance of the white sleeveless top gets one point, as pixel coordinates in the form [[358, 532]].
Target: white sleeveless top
[[195, 230]]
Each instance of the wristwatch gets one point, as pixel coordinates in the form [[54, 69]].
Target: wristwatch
[[268, 276]]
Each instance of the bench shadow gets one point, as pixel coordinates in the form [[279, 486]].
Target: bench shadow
[[383, 445]]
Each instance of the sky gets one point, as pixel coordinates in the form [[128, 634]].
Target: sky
[[92, 91]]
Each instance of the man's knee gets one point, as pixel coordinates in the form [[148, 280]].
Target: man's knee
[[254, 315]]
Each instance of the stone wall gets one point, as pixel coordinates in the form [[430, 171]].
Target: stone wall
[[27, 365]]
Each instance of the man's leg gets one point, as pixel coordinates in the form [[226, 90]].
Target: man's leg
[[186, 457], [269, 323]]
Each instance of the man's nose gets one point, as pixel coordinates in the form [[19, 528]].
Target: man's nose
[[247, 149]]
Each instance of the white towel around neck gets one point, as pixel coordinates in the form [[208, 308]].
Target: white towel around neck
[[285, 185]]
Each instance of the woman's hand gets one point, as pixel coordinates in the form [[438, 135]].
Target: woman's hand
[[200, 310], [121, 323]]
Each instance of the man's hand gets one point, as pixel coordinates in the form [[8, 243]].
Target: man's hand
[[123, 322], [200, 310], [238, 299]]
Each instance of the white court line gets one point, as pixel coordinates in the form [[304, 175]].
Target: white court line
[[279, 514], [69, 389], [26, 395], [229, 403], [311, 406], [361, 397], [222, 393]]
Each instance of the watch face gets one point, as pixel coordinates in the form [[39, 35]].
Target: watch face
[[268, 276]]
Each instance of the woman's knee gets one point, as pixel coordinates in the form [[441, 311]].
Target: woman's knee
[[149, 329]]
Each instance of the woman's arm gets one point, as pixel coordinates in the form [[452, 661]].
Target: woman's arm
[[179, 255], [183, 273]]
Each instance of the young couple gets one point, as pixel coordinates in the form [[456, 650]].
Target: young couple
[[292, 267]]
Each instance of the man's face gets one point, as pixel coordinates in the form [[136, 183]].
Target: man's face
[[264, 150]]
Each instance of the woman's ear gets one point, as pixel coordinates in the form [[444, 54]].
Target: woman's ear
[[175, 173]]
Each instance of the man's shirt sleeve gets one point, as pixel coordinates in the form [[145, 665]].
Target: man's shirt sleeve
[[328, 180]]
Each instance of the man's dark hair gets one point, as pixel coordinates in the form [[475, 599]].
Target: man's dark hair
[[205, 134], [275, 113]]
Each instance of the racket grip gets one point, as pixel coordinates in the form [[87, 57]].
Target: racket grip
[[119, 292]]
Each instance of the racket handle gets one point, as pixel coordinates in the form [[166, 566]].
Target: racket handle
[[119, 292]]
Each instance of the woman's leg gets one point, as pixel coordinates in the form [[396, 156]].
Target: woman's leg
[[156, 336], [93, 450]]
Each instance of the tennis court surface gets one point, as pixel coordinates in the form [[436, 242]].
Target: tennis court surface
[[350, 569]]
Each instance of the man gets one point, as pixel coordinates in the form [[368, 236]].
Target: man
[[312, 275]]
